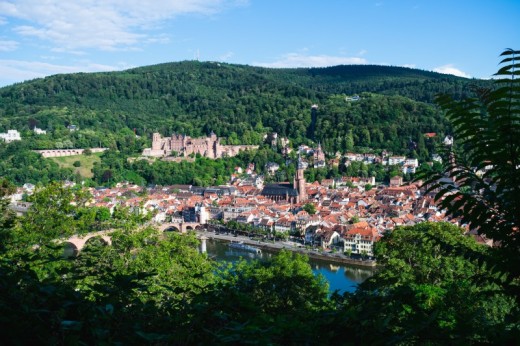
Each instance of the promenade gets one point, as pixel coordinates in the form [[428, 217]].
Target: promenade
[[291, 246]]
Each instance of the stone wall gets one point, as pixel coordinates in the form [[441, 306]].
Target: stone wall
[[67, 152]]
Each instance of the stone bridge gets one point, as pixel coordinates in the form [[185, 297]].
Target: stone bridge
[[182, 227], [75, 244]]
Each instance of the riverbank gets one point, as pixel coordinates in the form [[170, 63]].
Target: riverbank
[[291, 246]]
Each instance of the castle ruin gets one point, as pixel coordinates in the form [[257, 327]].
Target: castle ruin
[[183, 146]]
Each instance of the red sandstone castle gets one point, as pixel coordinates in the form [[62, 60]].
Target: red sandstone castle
[[183, 146]]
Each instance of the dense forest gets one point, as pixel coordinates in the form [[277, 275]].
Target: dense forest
[[241, 104]]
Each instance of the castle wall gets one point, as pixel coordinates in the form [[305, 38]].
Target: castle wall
[[209, 147]]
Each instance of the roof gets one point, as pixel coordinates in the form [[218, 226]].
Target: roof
[[279, 190]]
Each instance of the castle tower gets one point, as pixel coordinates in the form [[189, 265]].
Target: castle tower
[[299, 181], [156, 141]]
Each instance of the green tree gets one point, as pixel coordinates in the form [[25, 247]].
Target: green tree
[[7, 216], [281, 295], [310, 208], [487, 139], [435, 286]]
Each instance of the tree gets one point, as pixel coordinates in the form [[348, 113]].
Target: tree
[[277, 301], [435, 286], [310, 208], [483, 164], [7, 216]]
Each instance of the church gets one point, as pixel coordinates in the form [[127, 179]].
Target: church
[[286, 192]]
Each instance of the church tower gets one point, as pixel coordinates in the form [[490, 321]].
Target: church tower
[[299, 181]]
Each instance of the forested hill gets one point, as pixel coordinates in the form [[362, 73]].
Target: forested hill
[[239, 102]]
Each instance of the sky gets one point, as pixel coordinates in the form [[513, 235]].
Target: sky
[[461, 37]]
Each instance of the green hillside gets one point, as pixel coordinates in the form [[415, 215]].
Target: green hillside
[[234, 101]]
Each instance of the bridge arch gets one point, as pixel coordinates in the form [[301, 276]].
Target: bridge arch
[[70, 250], [171, 229], [182, 227], [105, 240], [73, 245]]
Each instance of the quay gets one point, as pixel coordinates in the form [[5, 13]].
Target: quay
[[291, 246]]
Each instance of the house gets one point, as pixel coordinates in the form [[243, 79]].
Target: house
[[10, 136], [285, 224], [396, 160], [39, 131], [437, 158], [411, 162], [396, 181], [409, 169], [360, 240], [328, 238], [272, 167]]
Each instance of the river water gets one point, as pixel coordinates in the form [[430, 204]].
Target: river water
[[341, 277]]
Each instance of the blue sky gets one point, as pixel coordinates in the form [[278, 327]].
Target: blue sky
[[462, 37]]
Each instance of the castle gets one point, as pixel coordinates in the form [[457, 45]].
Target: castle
[[183, 146]]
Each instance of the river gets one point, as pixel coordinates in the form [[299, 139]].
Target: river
[[343, 278]]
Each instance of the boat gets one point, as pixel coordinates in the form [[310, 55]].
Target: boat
[[241, 246]]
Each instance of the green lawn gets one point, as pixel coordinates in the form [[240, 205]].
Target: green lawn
[[87, 162]]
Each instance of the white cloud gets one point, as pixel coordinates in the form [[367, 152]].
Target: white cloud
[[450, 69], [16, 70], [409, 65], [299, 60], [8, 46], [105, 25]]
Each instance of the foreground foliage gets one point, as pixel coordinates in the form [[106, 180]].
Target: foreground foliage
[[436, 286], [483, 165]]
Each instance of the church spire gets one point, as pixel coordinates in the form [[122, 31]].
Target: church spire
[[299, 180]]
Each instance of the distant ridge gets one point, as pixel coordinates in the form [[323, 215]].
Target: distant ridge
[[236, 101]]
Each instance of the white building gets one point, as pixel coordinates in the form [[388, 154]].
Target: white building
[[360, 240], [272, 167], [39, 131], [411, 162], [409, 169], [396, 160], [11, 135], [437, 158]]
